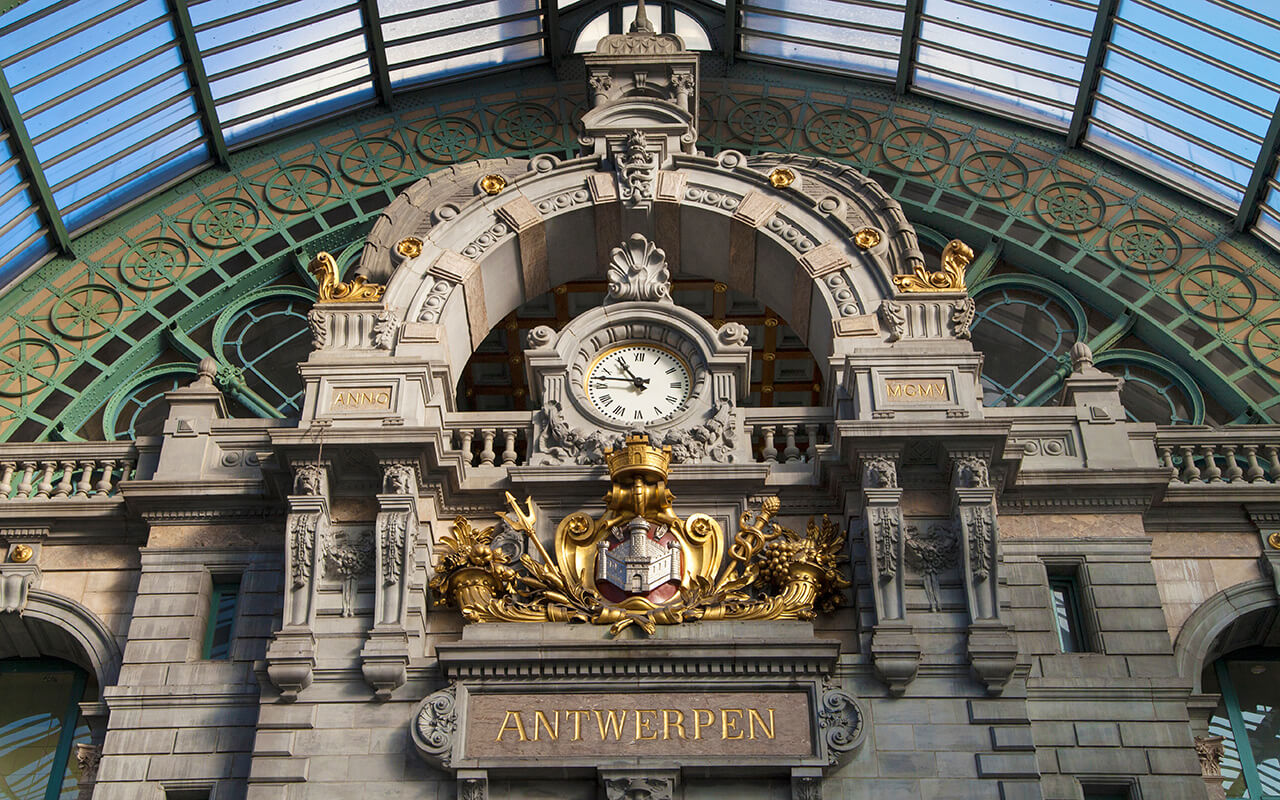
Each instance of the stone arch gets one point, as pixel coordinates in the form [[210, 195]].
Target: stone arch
[[783, 230], [60, 627], [1201, 632]]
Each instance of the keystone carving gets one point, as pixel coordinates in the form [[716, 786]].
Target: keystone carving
[[638, 271], [639, 788]]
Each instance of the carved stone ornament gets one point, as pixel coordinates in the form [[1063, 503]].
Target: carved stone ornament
[[88, 756], [770, 572], [880, 473], [885, 528], [302, 539], [981, 531], [559, 443], [392, 539], [893, 315], [436, 724], [319, 328], [734, 334], [399, 479], [473, 789], [384, 330], [1209, 750], [16, 583], [639, 788], [972, 472], [638, 271], [956, 257], [841, 722], [931, 554], [308, 479], [433, 305], [806, 789], [538, 337], [962, 313], [637, 170], [348, 556], [331, 290]]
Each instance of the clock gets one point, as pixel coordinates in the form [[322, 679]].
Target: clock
[[638, 383]]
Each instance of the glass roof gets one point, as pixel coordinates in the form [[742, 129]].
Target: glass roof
[[105, 103]]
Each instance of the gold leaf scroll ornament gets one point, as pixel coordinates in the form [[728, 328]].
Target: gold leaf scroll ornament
[[956, 257], [331, 290], [769, 571]]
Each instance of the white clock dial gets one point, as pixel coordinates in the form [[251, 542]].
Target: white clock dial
[[638, 383]]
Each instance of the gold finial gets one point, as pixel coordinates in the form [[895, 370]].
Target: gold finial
[[866, 238], [781, 177], [956, 257], [492, 184], [331, 290], [21, 553], [639, 457], [409, 247]]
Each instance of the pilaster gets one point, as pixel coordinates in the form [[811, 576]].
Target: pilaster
[[385, 656]]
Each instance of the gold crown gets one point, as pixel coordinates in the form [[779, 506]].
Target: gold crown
[[638, 456]]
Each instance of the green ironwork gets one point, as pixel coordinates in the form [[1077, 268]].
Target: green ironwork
[[907, 51], [377, 51], [1263, 168], [74, 333], [1116, 360], [11, 118], [199, 81], [1102, 25]]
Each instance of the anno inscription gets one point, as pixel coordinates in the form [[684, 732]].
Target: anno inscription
[[667, 723], [361, 399]]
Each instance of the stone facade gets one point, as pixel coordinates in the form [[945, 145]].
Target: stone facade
[[941, 676]]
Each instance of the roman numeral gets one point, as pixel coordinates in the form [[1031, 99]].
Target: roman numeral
[[606, 399], [676, 384], [639, 356], [657, 411], [671, 399], [668, 372], [637, 415], [618, 409]]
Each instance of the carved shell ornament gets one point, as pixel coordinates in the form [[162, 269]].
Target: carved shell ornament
[[638, 271], [676, 568]]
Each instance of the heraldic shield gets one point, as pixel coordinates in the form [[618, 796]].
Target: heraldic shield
[[640, 564]]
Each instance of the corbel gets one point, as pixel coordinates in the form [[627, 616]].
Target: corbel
[[895, 652], [993, 651], [291, 656], [20, 572], [385, 657], [1267, 520]]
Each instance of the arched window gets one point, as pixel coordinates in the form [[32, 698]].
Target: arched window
[[1248, 720], [40, 725], [663, 17], [1025, 332]]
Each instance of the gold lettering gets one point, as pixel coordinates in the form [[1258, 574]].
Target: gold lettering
[[699, 723], [519, 726], [911, 389], [337, 399], [577, 714], [540, 718], [351, 398], [753, 717], [667, 724], [384, 399], [895, 389], [726, 725], [617, 721], [643, 723]]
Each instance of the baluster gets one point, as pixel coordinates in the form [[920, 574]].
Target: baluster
[[1254, 473], [86, 479], [466, 435], [46, 480], [126, 469], [1212, 473], [1233, 472], [1190, 472], [1166, 458], [108, 473], [767, 451], [6, 481], [791, 453], [509, 447], [24, 485], [64, 485], [811, 433], [486, 453], [1273, 455]]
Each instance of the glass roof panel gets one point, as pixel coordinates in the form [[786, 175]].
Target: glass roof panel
[[1186, 93], [109, 99], [858, 36], [435, 40], [21, 231], [1022, 58], [272, 65], [1268, 224]]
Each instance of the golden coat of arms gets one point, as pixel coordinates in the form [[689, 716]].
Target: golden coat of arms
[[640, 564]]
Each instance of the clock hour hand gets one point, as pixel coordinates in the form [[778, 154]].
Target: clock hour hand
[[638, 381]]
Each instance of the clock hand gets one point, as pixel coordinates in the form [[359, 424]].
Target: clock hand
[[638, 381]]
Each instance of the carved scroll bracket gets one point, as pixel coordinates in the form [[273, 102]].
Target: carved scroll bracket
[[992, 649], [385, 656], [894, 649]]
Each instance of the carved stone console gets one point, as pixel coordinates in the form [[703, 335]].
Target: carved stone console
[[385, 656]]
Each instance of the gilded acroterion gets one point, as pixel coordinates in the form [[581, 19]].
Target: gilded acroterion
[[640, 564], [956, 257], [331, 290]]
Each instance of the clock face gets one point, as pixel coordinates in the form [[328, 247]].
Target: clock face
[[638, 383]]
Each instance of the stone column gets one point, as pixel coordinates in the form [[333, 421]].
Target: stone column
[[993, 652], [894, 649], [385, 656], [291, 656]]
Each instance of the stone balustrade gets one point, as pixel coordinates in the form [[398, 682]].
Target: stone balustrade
[[65, 470], [788, 435], [1199, 454], [492, 439]]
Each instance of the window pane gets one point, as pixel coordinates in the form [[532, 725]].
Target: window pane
[[33, 706], [1065, 618], [222, 619], [1258, 693]]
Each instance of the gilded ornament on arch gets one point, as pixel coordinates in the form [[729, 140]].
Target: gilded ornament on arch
[[781, 177], [640, 564], [956, 257], [493, 184], [1273, 540], [866, 238], [331, 290], [409, 247], [21, 553]]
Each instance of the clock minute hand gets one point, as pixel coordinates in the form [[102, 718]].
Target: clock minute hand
[[639, 382]]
